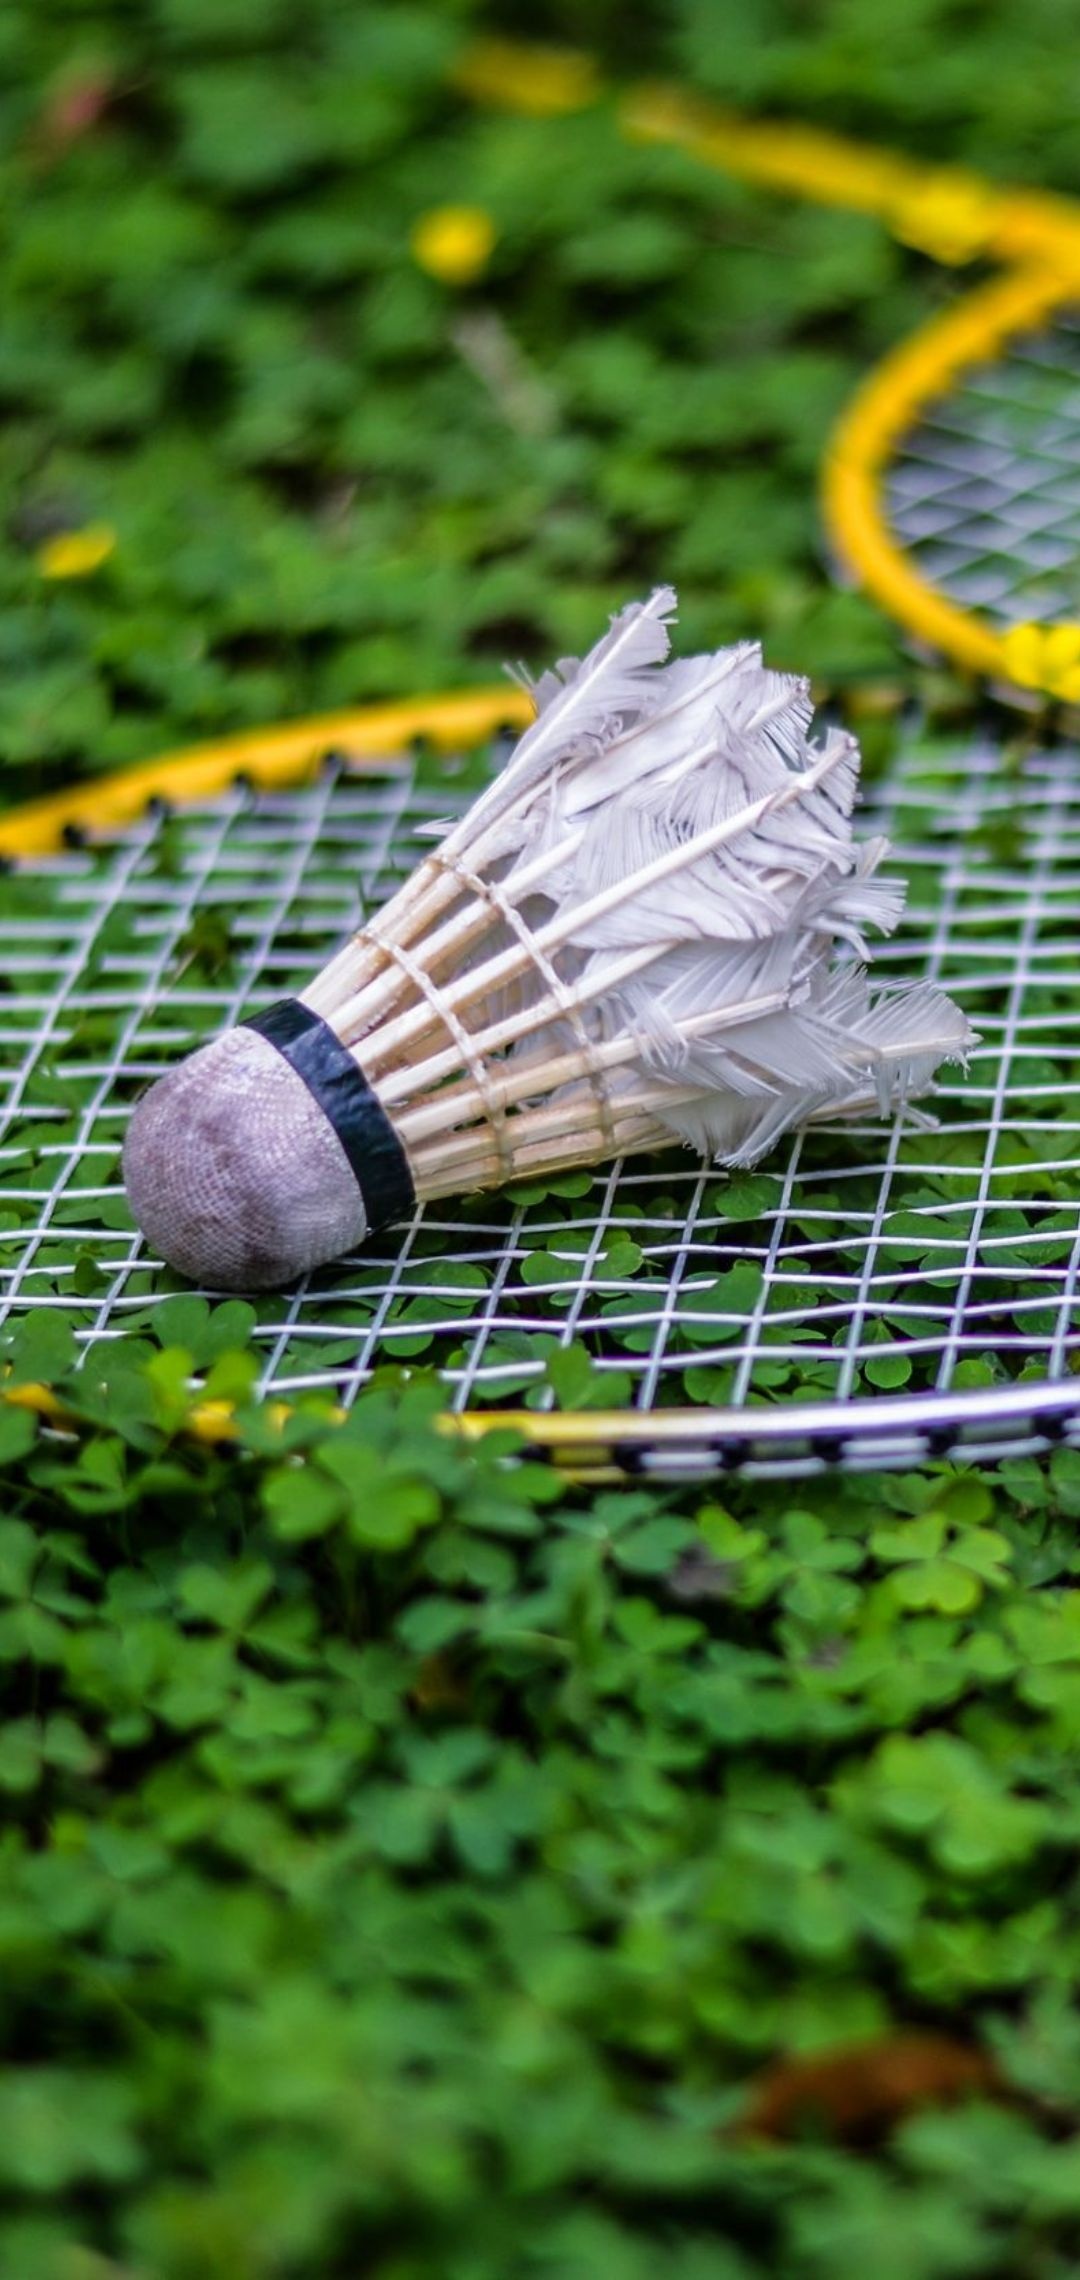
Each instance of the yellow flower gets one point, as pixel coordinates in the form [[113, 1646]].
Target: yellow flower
[[75, 553], [1045, 657], [453, 243], [509, 75]]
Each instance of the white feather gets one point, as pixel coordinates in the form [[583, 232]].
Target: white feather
[[684, 812], [581, 708]]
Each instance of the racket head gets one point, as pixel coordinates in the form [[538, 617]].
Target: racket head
[[872, 1294], [951, 487]]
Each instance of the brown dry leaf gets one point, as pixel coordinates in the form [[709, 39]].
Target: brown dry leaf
[[439, 1685], [862, 2090], [76, 105]]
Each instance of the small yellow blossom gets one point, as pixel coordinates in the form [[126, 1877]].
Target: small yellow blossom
[[75, 553], [509, 75], [453, 243], [1045, 657]]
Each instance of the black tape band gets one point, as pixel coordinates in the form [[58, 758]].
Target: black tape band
[[376, 1157]]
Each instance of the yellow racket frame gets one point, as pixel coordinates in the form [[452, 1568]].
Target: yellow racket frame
[[955, 217]]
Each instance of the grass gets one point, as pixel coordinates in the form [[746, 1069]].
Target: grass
[[414, 1867]]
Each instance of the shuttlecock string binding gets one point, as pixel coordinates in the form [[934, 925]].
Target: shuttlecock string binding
[[632, 936]]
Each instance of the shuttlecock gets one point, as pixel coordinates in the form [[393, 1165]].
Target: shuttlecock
[[631, 937]]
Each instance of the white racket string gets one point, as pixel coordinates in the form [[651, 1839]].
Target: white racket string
[[983, 492]]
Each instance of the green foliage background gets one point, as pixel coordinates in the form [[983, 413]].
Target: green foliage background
[[408, 1861], [215, 339]]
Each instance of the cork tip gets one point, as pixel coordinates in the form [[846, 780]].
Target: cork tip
[[234, 1173]]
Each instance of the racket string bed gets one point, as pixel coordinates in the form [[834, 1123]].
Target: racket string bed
[[983, 493], [965, 818], [54, 1005], [856, 1262]]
